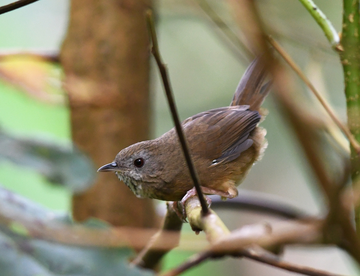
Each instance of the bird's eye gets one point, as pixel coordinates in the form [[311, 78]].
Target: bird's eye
[[139, 162]]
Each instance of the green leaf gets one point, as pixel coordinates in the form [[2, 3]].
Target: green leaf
[[14, 262], [59, 163], [24, 256]]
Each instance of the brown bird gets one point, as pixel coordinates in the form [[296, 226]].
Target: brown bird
[[224, 144]]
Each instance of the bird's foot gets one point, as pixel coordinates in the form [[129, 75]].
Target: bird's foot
[[179, 206]]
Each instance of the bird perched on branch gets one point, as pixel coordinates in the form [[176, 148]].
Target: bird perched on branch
[[224, 143]]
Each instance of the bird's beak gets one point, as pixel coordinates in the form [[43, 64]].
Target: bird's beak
[[111, 167]]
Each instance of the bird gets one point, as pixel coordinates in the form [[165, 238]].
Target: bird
[[224, 143]]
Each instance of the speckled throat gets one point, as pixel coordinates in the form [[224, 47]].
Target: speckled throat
[[133, 185]]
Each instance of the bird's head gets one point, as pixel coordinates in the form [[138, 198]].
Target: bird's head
[[138, 167]]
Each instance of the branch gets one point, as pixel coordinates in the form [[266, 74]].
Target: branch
[[252, 201], [43, 225], [211, 224], [40, 223], [322, 101], [306, 133], [190, 263], [307, 137], [15, 5], [149, 257], [224, 28], [265, 257], [350, 59], [268, 235], [166, 82], [329, 31], [260, 255], [237, 243], [241, 242], [323, 22], [237, 41]]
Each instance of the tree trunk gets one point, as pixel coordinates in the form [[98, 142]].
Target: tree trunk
[[105, 57]]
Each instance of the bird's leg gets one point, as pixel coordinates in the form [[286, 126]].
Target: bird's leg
[[179, 209]]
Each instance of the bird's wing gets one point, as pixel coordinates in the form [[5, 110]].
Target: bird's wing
[[225, 132]]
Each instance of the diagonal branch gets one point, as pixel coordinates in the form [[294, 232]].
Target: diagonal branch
[[266, 257], [190, 263], [15, 5], [261, 256], [166, 82], [243, 51], [254, 201]]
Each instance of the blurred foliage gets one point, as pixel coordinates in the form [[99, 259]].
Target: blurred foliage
[[34, 74], [23, 254], [60, 164]]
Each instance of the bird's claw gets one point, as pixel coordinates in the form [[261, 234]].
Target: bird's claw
[[179, 209]]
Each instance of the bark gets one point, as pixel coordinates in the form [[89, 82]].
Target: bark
[[105, 57]]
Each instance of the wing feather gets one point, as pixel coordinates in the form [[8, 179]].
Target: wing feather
[[225, 131]]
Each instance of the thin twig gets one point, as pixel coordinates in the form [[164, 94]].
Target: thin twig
[[178, 127], [261, 256], [320, 49], [190, 263], [266, 257], [15, 5], [297, 38], [251, 201], [225, 29], [324, 23], [322, 101]]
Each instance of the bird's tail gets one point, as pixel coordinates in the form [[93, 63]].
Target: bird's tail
[[251, 89]]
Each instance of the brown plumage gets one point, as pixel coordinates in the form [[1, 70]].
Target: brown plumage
[[224, 144]]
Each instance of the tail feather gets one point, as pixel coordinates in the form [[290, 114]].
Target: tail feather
[[251, 89]]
